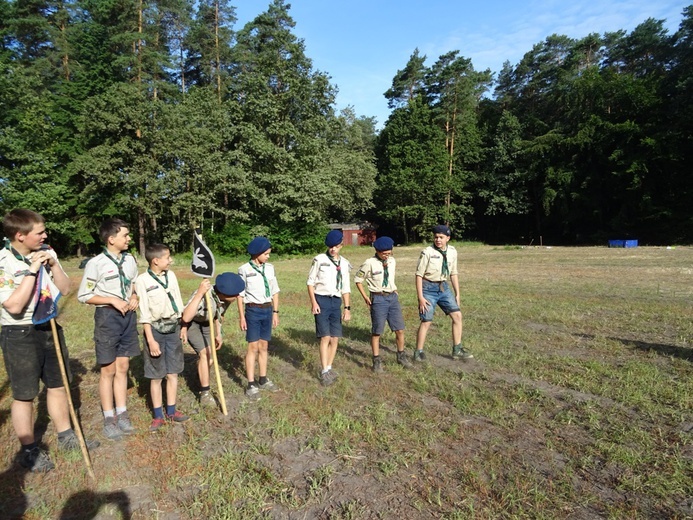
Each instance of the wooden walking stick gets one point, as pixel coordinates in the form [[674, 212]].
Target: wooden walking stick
[[213, 347], [73, 415]]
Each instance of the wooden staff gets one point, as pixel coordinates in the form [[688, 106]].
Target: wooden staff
[[213, 346], [73, 415]]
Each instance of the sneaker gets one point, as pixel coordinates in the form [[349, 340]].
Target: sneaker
[[419, 356], [377, 365], [269, 385], [71, 443], [35, 460], [157, 423], [253, 393], [123, 422], [111, 430], [207, 399], [327, 378], [403, 360], [177, 417], [459, 352]]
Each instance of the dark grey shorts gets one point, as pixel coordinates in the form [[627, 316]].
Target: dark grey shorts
[[30, 357], [198, 336], [115, 335], [171, 359]]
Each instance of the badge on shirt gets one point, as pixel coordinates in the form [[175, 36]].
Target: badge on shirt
[[5, 281], [361, 273], [91, 284]]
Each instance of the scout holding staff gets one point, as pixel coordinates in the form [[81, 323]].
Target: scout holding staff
[[378, 272], [29, 350]]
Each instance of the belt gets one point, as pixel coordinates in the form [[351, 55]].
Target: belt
[[381, 294], [259, 305]]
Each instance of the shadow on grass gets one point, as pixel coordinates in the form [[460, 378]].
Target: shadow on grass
[[282, 346], [659, 348], [13, 502], [87, 504]]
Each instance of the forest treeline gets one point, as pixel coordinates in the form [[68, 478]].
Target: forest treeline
[[163, 113]]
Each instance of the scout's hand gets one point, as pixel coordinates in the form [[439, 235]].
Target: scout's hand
[[134, 302], [368, 301], [316, 309], [184, 335], [154, 348], [424, 304], [244, 325], [120, 305], [205, 286], [38, 259], [219, 341], [347, 315], [275, 319]]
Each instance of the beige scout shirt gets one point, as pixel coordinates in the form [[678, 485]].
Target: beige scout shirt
[[431, 264], [255, 291], [219, 308], [155, 303], [101, 278], [12, 272], [323, 276], [373, 272]]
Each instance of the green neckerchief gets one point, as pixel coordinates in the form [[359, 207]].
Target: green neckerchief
[[445, 271], [264, 278], [164, 284], [124, 282], [17, 255], [337, 264], [386, 274]]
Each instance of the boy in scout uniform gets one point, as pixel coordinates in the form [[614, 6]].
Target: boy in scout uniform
[[383, 301], [108, 284], [195, 328], [328, 284], [258, 306], [437, 266], [29, 350], [161, 305]]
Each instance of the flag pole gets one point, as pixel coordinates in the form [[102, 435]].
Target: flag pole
[[71, 406], [213, 347]]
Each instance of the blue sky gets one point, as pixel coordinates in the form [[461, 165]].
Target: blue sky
[[361, 44]]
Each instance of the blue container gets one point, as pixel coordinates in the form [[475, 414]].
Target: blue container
[[623, 243]]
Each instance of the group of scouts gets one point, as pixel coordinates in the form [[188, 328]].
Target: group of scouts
[[111, 283]]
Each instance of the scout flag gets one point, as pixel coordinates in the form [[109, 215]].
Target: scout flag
[[46, 296], [202, 259]]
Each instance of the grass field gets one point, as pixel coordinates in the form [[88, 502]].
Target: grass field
[[578, 404]]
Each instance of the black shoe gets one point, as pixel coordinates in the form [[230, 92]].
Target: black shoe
[[35, 460]]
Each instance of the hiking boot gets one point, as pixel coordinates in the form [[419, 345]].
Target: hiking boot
[[177, 417], [123, 422], [207, 399], [459, 352], [419, 356], [403, 360], [111, 430], [71, 443], [157, 423], [35, 460], [253, 393], [269, 385], [327, 378], [377, 365]]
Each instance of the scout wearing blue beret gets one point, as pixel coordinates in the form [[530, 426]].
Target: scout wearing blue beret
[[258, 306], [328, 284], [195, 327], [378, 273], [436, 270]]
